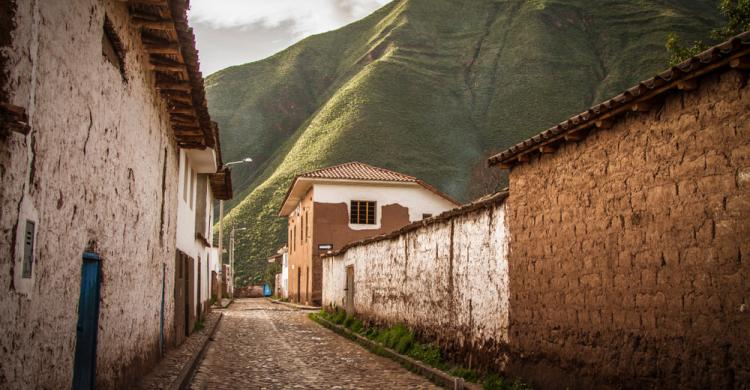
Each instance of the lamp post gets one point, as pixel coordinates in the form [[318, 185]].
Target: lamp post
[[221, 228]]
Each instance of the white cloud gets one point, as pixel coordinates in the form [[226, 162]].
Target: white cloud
[[304, 17]]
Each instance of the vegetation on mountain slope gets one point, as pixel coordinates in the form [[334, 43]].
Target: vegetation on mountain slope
[[429, 88], [737, 16]]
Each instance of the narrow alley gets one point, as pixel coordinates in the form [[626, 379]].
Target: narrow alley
[[262, 345]]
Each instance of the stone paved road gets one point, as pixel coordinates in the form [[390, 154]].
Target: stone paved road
[[260, 345]]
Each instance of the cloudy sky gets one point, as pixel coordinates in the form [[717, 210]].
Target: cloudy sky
[[233, 32]]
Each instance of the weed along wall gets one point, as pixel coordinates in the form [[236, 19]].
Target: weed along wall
[[629, 249], [445, 277]]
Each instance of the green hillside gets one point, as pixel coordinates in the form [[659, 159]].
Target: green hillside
[[429, 88]]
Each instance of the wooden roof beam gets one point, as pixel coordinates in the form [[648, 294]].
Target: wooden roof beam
[[162, 48], [160, 25], [687, 85], [173, 85], [742, 63]]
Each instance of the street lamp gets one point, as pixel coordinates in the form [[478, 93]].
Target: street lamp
[[244, 160], [221, 226]]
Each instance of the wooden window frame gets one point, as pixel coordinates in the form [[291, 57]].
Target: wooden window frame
[[358, 218]]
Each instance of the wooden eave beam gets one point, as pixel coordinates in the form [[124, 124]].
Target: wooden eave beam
[[174, 85], [642, 106], [157, 25], [176, 68], [174, 96], [181, 110], [162, 48], [742, 63], [546, 149], [688, 85]]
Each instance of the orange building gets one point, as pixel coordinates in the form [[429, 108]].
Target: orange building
[[331, 207]]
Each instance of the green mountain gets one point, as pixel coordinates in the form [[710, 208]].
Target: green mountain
[[429, 88]]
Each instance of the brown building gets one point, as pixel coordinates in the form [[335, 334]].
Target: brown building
[[100, 101], [630, 235], [331, 207]]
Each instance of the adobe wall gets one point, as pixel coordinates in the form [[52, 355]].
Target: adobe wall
[[447, 279], [94, 164], [629, 251]]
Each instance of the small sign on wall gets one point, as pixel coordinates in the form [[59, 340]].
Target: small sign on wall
[[325, 247]]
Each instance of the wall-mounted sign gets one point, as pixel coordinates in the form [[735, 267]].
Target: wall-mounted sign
[[325, 247]]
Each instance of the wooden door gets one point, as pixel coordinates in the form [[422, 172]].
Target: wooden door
[[349, 304], [179, 299], [84, 368], [299, 284]]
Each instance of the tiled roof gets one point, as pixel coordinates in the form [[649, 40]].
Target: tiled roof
[[733, 53], [359, 171]]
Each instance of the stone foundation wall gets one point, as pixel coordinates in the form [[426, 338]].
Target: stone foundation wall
[[447, 279], [629, 251], [90, 175]]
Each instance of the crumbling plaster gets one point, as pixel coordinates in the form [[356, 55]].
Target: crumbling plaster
[[90, 175], [448, 280]]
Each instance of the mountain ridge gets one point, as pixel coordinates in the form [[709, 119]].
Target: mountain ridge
[[430, 89]]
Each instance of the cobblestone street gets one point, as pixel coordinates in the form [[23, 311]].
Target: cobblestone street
[[260, 345]]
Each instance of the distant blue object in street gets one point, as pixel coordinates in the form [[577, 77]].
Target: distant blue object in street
[[266, 290]]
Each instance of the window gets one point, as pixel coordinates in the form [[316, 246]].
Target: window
[[185, 179], [192, 189], [307, 225], [362, 212], [112, 48]]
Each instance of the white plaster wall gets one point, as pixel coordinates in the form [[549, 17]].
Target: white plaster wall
[[412, 196], [186, 209], [90, 174], [285, 275], [448, 280]]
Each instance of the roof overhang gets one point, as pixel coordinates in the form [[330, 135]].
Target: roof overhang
[[202, 160], [221, 184], [302, 185]]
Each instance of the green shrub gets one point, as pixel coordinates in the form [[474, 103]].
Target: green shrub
[[339, 317], [428, 353], [357, 326], [348, 321], [496, 382], [466, 373]]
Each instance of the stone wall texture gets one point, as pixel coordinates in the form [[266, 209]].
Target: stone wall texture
[[446, 279], [90, 175], [629, 251]]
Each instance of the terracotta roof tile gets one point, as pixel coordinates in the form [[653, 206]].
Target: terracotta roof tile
[[734, 49], [359, 171]]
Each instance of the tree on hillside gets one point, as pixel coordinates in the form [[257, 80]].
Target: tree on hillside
[[737, 14]]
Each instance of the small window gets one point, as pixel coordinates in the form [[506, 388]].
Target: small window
[[362, 212], [28, 250], [425, 216], [112, 47]]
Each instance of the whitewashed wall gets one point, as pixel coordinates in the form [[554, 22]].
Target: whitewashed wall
[[447, 279]]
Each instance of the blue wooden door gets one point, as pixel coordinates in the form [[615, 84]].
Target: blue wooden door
[[84, 371]]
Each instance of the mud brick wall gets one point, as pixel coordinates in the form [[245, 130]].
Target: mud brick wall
[[630, 251], [98, 169], [448, 280]]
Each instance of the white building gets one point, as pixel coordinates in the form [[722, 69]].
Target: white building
[[199, 186], [332, 207]]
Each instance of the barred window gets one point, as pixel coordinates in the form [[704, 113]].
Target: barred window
[[362, 212]]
